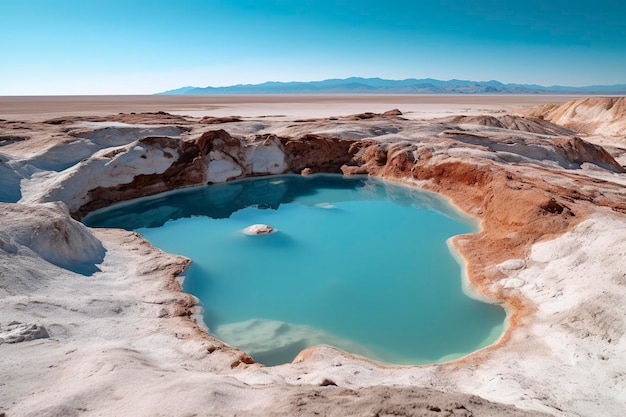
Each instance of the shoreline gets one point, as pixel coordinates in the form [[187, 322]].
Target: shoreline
[[468, 287]]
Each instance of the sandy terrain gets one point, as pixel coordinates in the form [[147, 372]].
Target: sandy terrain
[[41, 108], [92, 322]]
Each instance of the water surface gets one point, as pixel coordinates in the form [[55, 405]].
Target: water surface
[[359, 264]]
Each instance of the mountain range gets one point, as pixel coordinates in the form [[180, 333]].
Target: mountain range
[[358, 85]]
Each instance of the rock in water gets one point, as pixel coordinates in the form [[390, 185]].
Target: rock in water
[[259, 229]]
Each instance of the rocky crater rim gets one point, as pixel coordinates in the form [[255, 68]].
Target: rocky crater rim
[[539, 197]]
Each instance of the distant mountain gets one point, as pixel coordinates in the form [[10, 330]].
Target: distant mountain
[[357, 85]]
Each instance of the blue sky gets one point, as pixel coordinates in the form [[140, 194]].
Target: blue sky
[[147, 46]]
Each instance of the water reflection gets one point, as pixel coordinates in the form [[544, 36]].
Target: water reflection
[[220, 201]]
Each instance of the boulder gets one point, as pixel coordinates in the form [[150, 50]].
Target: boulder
[[259, 229]]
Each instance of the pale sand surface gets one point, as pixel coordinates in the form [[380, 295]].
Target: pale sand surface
[[414, 106], [119, 342]]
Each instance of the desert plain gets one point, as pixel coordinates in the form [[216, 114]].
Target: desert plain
[[93, 321]]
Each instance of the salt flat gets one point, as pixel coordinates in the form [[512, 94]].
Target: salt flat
[[92, 322], [43, 107]]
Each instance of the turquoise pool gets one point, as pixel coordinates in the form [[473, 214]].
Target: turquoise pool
[[357, 263]]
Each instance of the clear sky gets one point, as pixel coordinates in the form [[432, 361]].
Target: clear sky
[[147, 46]]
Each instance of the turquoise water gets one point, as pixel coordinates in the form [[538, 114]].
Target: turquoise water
[[359, 264]]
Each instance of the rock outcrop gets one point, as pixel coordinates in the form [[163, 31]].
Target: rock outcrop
[[511, 122], [389, 114], [84, 140], [208, 120], [156, 164], [318, 153], [147, 118], [109, 168], [46, 231], [605, 116], [16, 332], [568, 152], [11, 175], [578, 151]]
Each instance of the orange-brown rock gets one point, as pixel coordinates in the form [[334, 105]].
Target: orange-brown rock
[[318, 153], [516, 207]]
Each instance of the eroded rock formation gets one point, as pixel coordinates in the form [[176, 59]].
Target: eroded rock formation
[[591, 115], [511, 122], [156, 164], [46, 231]]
